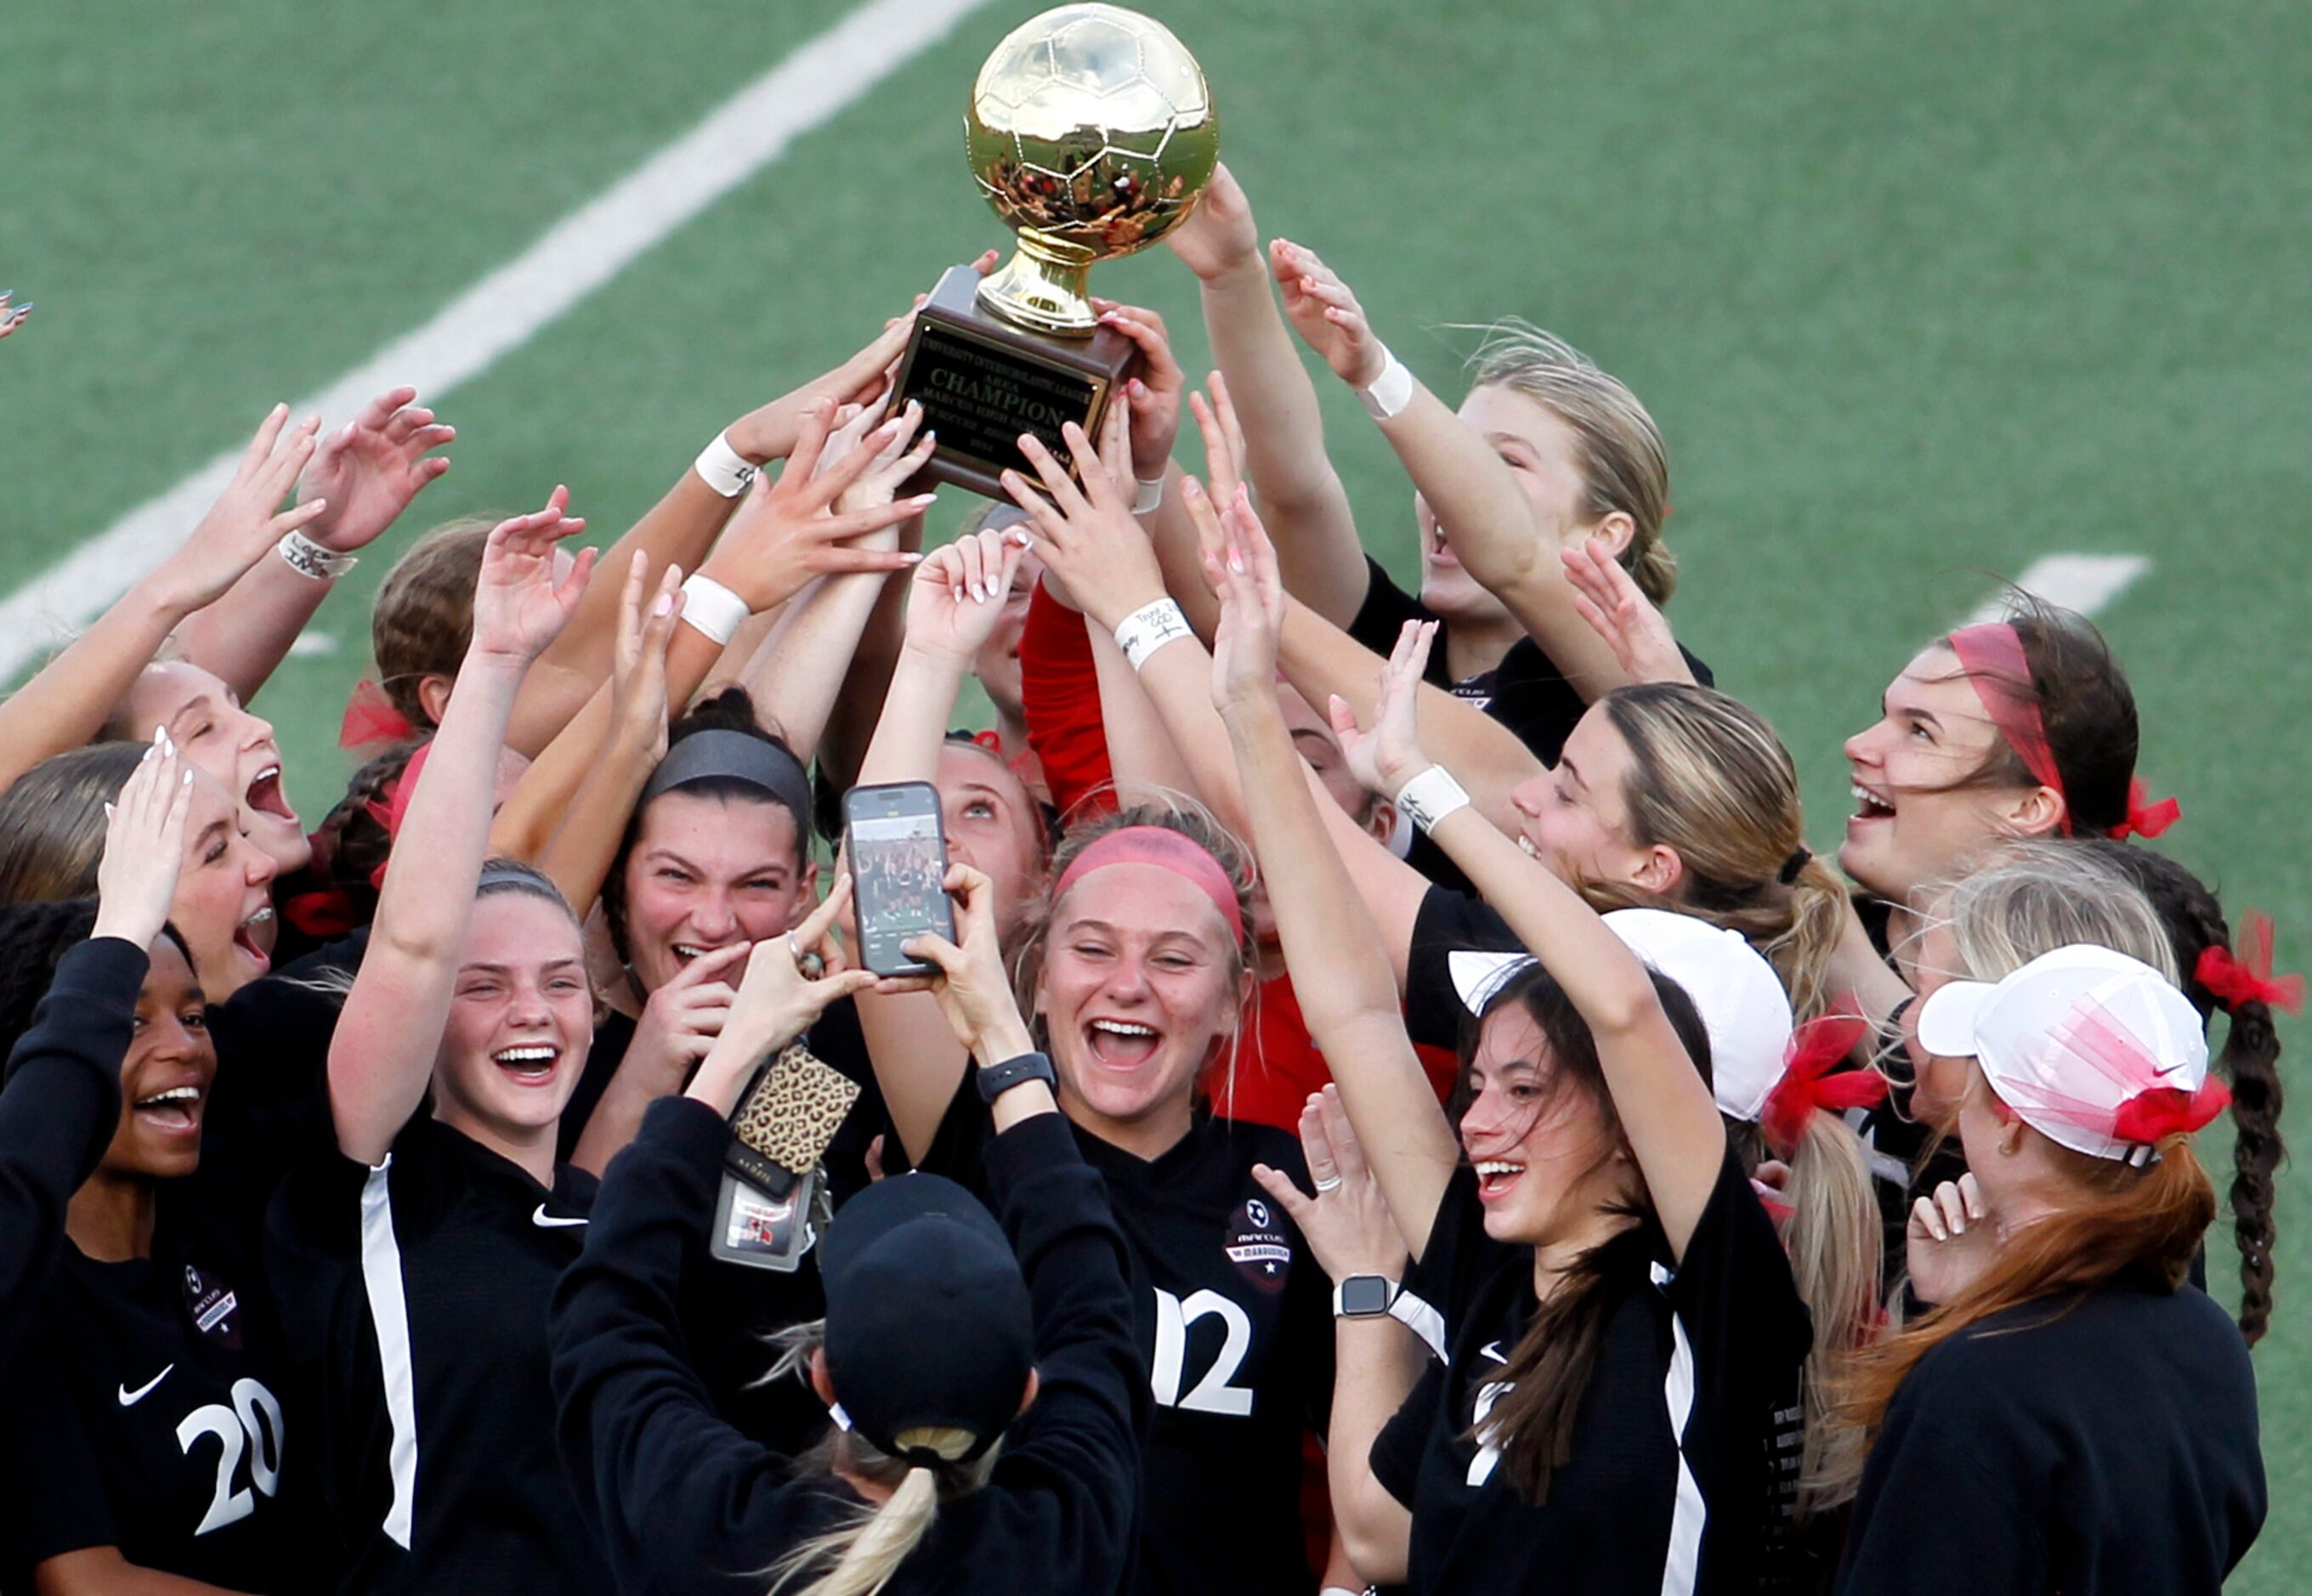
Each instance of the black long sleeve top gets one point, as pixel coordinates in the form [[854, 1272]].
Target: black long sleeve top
[[58, 1112], [686, 1503]]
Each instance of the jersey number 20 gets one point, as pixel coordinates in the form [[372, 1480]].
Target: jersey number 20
[[250, 1427], [1212, 1393]]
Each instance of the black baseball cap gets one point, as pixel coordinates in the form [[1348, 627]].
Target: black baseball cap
[[928, 1319]]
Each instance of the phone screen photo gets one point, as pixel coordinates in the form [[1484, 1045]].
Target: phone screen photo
[[899, 869]]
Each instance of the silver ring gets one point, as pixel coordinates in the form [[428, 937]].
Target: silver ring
[[809, 965], [1332, 1185]]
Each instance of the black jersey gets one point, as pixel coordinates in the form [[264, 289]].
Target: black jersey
[[57, 1114], [1684, 1449], [145, 1409], [148, 1413], [413, 1295], [1448, 922], [1233, 1317], [2099, 1443], [690, 1503], [1526, 691]]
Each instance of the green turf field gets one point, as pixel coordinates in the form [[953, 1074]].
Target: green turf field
[[1919, 294]]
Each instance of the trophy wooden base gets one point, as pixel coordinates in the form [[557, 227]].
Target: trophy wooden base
[[983, 381]]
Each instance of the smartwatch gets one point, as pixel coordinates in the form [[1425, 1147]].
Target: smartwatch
[[995, 1079], [1363, 1296]]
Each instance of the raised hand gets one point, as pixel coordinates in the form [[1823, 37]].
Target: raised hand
[[1219, 237], [1087, 537], [787, 534], [370, 468], [1155, 395], [143, 845], [683, 1017], [973, 987], [519, 608], [775, 1001], [638, 706], [1240, 564], [12, 316], [891, 464], [1389, 755], [1326, 315], [771, 431], [1950, 1240], [1618, 611], [1223, 437], [1347, 1223], [955, 601], [241, 528]]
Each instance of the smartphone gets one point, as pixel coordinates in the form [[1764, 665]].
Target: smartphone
[[898, 850]]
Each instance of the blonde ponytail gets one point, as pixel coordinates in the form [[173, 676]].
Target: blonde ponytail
[[1835, 1240], [860, 1556]]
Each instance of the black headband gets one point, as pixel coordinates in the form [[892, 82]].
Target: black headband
[[723, 754]]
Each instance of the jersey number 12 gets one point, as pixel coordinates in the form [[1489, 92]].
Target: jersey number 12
[[1212, 1393]]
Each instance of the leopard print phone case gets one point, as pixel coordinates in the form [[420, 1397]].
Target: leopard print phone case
[[787, 1118]]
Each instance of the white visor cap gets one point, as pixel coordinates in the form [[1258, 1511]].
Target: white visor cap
[[2069, 1040], [1740, 997]]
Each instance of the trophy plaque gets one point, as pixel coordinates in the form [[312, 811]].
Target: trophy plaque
[[1092, 133]]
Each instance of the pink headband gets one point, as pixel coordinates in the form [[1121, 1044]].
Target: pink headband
[[1167, 849], [1993, 657]]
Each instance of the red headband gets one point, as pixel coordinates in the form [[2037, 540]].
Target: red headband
[[1817, 1048], [1167, 849], [2246, 977], [1991, 655]]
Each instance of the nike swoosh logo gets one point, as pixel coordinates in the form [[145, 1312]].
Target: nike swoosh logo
[[129, 1399], [545, 1221], [1492, 1349]]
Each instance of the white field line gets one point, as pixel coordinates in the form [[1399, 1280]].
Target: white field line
[[2081, 582], [575, 256]]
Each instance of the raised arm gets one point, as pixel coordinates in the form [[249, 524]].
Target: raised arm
[[61, 1104], [1664, 1106], [1470, 488], [953, 604], [1352, 1013], [1088, 537], [382, 1057], [785, 536], [364, 475], [67, 704], [1317, 551]]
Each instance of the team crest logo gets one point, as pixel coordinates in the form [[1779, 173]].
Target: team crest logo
[[1256, 1245], [213, 1306]]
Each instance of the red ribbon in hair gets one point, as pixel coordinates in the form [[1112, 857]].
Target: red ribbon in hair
[[2246, 977], [2153, 1115], [2144, 818], [396, 808], [1817, 1048], [371, 718], [1991, 655]]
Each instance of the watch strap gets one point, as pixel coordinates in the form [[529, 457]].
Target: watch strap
[[995, 1079]]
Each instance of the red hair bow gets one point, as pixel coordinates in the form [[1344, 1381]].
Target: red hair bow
[[1817, 1048], [2144, 818], [2246, 977], [371, 718], [2153, 1115]]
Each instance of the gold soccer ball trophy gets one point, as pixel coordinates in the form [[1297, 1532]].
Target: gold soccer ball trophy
[[1092, 132]]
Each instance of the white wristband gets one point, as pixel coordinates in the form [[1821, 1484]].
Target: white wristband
[[1150, 498], [302, 555], [711, 609], [1430, 797], [1390, 392], [1149, 628], [723, 468]]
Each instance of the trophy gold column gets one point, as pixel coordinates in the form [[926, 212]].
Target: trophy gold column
[[1092, 133]]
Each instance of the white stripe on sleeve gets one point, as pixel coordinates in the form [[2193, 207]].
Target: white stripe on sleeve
[[389, 1316]]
